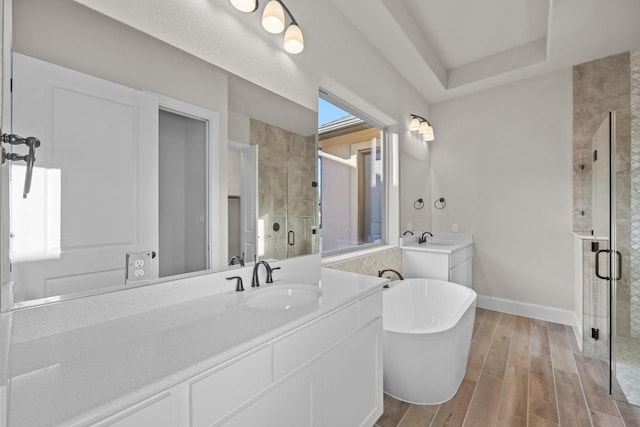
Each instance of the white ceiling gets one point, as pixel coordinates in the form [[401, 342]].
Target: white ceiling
[[444, 48], [483, 28], [448, 48]]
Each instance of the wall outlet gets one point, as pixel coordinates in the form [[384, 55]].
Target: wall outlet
[[138, 267], [454, 228]]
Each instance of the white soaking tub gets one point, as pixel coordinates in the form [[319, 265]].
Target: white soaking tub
[[427, 326]]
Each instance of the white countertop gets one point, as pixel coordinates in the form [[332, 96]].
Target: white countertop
[[82, 375], [445, 243]]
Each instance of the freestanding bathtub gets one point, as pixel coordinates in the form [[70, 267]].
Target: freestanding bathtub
[[427, 334]]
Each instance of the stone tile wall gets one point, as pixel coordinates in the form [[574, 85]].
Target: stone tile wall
[[634, 291], [286, 196], [372, 263], [598, 87]]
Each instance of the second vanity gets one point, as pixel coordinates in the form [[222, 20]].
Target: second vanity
[[213, 360], [447, 256]]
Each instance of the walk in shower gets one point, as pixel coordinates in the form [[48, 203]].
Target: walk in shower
[[614, 293]]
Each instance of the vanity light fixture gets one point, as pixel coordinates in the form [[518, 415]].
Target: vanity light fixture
[[273, 21], [422, 126]]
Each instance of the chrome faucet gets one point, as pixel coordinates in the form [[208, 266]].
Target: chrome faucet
[[423, 238], [255, 282], [237, 258]]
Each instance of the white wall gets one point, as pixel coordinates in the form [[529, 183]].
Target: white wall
[[415, 177], [503, 161]]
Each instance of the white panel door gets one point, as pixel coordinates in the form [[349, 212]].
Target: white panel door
[[6, 285], [249, 202], [94, 194]]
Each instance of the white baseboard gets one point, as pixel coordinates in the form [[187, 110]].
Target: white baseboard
[[541, 312]]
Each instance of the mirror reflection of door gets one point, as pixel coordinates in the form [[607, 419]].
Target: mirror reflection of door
[[6, 293], [183, 198], [242, 167], [99, 190], [94, 192]]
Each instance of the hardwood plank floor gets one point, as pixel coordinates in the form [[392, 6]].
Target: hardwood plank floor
[[521, 373]]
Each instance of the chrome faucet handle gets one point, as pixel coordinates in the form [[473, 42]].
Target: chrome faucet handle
[[269, 273], [239, 286]]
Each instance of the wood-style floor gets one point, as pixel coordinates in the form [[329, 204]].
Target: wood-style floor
[[521, 372]]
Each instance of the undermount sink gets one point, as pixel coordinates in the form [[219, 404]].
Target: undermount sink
[[283, 297]]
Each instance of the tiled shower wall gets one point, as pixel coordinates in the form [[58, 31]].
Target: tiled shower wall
[[599, 87], [635, 194], [287, 197], [372, 263]]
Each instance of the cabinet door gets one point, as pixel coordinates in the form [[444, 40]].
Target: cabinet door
[[461, 273], [425, 265], [352, 380], [224, 389], [291, 403]]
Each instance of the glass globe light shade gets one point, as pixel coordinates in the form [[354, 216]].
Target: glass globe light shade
[[246, 6], [273, 17], [293, 40]]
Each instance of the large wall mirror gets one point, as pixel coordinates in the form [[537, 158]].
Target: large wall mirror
[[153, 164]]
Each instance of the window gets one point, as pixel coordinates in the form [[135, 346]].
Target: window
[[351, 153]]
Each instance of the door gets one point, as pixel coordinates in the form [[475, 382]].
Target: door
[[624, 260], [6, 285], [183, 211], [249, 202], [98, 149], [617, 263]]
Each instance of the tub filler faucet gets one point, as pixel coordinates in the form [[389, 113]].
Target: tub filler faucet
[[390, 270], [238, 259]]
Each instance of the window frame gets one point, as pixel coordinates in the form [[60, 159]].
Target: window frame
[[385, 152]]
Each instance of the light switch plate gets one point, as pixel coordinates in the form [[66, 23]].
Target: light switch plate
[[138, 267]]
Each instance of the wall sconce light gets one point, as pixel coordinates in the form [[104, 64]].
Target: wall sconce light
[[273, 21], [422, 126]]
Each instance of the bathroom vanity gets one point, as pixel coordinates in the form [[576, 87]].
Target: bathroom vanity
[[227, 358], [446, 256]]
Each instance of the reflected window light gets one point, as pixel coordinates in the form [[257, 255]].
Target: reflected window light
[[261, 239], [36, 220]]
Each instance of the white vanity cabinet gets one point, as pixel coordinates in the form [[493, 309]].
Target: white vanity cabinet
[[327, 372], [453, 264]]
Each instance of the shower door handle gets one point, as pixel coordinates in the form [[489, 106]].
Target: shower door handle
[[606, 251], [291, 238], [619, 269]]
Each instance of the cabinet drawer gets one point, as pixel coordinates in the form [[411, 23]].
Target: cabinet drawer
[[370, 308], [216, 394], [160, 411], [459, 256], [297, 348]]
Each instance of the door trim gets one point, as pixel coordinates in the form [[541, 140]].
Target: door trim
[[217, 239]]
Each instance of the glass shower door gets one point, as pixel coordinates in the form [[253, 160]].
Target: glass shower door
[[624, 260]]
